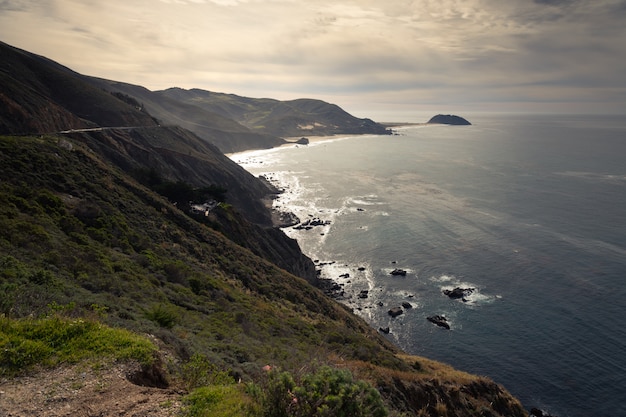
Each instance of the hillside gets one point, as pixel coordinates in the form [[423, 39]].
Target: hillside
[[40, 96], [109, 281], [293, 118], [77, 232], [227, 134]]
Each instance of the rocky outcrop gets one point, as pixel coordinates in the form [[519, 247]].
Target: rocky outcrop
[[302, 141], [311, 223], [440, 321], [395, 311], [448, 119], [465, 398], [536, 412], [459, 293]]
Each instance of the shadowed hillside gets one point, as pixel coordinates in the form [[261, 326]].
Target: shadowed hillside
[[227, 134], [293, 118], [40, 96]]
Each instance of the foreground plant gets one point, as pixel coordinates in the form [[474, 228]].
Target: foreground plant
[[325, 393]]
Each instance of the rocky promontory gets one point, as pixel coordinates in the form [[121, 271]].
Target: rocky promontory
[[448, 119]]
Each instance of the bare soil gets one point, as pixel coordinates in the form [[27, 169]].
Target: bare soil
[[82, 391]]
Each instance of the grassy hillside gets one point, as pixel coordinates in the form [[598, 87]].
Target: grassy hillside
[[219, 129], [82, 237], [302, 117]]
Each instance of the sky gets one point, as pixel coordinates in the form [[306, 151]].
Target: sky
[[383, 59]]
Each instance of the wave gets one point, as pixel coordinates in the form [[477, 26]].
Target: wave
[[595, 176], [474, 296]]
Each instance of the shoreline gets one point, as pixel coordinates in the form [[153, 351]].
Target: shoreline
[[292, 141], [349, 282]]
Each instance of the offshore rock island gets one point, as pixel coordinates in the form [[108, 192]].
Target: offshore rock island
[[119, 296], [448, 119]]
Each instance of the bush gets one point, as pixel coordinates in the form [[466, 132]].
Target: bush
[[329, 392], [199, 371], [163, 315], [218, 401]]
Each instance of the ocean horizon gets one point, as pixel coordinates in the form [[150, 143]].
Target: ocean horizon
[[523, 212]]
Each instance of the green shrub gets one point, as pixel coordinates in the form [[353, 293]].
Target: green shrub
[[163, 315], [329, 392], [218, 401], [199, 372]]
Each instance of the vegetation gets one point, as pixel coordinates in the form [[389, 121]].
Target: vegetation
[[54, 340], [103, 269], [79, 233], [219, 401], [180, 193], [328, 392]]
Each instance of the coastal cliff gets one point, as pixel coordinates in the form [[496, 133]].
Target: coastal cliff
[[99, 242]]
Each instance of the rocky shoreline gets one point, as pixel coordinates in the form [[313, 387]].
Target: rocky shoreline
[[339, 286]]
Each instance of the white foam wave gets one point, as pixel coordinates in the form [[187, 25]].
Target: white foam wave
[[474, 297], [594, 176], [442, 278], [365, 200]]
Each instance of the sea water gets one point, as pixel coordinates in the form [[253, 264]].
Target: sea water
[[528, 211]]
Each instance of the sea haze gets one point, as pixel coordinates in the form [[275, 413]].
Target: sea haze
[[529, 211]]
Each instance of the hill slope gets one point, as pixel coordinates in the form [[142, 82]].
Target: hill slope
[[301, 117], [40, 96], [225, 133], [80, 233]]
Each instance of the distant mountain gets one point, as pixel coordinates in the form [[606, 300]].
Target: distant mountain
[[448, 119], [227, 134], [293, 118]]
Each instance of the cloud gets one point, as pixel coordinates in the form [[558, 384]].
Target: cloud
[[471, 52]]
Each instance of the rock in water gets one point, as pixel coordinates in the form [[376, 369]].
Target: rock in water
[[448, 119], [459, 293], [440, 321]]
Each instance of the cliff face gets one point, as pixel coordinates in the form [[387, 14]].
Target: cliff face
[[269, 243]]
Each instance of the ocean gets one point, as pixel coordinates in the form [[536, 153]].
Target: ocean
[[527, 211]]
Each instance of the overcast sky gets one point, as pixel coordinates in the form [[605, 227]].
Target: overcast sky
[[384, 59]]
